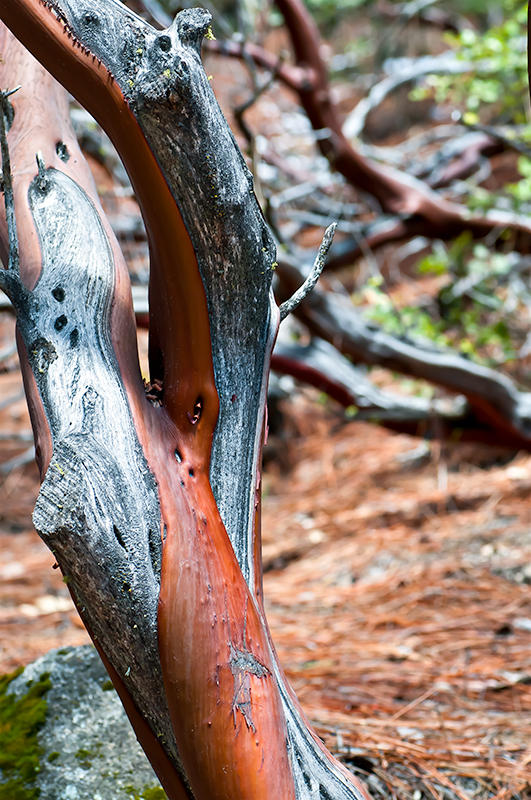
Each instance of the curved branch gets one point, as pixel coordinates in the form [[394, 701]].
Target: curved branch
[[397, 193], [493, 398], [103, 514], [233, 728], [319, 364], [401, 72], [294, 77], [320, 260]]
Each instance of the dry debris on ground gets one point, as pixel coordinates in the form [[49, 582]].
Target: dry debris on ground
[[397, 585]]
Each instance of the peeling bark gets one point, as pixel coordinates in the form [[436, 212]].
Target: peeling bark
[[152, 508]]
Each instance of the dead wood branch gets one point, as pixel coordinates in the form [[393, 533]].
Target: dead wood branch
[[420, 209], [493, 398], [319, 364]]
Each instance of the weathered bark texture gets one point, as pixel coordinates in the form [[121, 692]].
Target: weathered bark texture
[[151, 508]]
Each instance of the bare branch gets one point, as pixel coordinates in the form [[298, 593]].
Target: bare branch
[[400, 72], [494, 399], [320, 260], [418, 206]]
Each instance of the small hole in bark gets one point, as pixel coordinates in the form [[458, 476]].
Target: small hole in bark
[[90, 18], [60, 322], [58, 293], [195, 416], [74, 338], [62, 151], [191, 473], [164, 42], [119, 537], [178, 456]]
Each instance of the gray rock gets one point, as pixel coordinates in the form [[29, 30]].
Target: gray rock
[[90, 751]]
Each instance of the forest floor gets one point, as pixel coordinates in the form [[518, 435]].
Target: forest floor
[[397, 585]]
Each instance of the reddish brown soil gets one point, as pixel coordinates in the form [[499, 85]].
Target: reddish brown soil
[[397, 590]]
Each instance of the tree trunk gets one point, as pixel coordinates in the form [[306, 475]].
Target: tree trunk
[[150, 504]]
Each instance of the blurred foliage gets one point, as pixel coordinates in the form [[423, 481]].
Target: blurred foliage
[[477, 309], [495, 88], [481, 308], [329, 11]]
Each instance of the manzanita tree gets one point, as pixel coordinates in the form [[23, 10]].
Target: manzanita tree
[[150, 500]]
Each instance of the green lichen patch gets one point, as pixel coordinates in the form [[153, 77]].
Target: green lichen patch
[[148, 793], [155, 793], [85, 756], [21, 718]]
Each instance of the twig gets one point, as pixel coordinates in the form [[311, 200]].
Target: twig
[[294, 77], [318, 266], [258, 90]]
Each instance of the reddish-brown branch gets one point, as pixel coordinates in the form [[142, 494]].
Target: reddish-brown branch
[[42, 118], [418, 206], [338, 379], [292, 76], [495, 401]]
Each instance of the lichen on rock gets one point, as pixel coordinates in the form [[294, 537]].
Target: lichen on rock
[[21, 718], [64, 733]]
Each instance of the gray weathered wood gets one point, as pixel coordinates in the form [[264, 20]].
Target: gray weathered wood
[[98, 507], [161, 75]]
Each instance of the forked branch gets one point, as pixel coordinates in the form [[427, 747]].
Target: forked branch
[[151, 511]]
